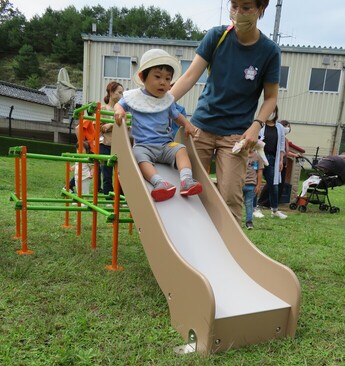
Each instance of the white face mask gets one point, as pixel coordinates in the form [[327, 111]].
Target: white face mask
[[287, 130]]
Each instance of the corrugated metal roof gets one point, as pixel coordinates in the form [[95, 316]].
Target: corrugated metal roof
[[314, 50], [190, 43], [139, 40], [23, 93]]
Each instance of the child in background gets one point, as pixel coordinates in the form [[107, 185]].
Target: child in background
[[86, 171], [252, 186], [152, 109]]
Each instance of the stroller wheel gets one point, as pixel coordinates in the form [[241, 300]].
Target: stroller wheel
[[334, 209], [323, 207], [293, 206], [302, 208]]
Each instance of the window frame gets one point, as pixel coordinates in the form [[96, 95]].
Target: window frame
[[184, 66], [325, 80], [287, 72], [118, 75]]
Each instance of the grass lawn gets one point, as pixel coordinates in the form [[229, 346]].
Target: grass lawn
[[60, 306]]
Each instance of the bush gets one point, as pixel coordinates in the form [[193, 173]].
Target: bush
[[34, 146]]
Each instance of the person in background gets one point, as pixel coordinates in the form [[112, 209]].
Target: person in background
[[152, 109], [242, 64], [252, 186], [264, 196], [273, 135], [86, 171], [114, 94], [288, 154]]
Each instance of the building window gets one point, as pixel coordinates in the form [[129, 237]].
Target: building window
[[284, 73], [326, 80], [117, 67], [185, 64]]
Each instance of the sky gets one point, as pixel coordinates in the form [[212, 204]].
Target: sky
[[302, 22]]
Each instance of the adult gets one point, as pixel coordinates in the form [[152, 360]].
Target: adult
[[243, 62], [114, 93], [274, 136]]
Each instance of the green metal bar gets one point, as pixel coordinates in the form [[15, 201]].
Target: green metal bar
[[56, 208], [100, 210], [126, 221], [92, 156], [91, 107], [102, 119], [57, 158], [13, 197], [50, 200], [15, 151]]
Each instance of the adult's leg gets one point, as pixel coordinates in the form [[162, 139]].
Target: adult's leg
[[107, 171], [231, 173], [268, 173], [204, 144], [264, 199]]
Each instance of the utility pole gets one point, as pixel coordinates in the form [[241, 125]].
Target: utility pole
[[276, 34], [110, 31], [221, 11]]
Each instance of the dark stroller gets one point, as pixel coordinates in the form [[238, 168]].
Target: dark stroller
[[328, 173]]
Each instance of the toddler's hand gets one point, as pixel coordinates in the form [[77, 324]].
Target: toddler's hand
[[119, 114]]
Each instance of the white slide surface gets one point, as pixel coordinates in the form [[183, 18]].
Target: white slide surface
[[195, 237], [218, 285]]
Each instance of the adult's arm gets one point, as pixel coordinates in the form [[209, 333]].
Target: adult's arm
[[267, 107]]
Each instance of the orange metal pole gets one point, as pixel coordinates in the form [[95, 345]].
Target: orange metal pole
[[114, 266], [17, 188], [24, 249]]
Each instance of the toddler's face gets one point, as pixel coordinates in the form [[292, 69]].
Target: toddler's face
[[158, 82]]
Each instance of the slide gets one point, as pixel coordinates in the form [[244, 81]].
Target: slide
[[222, 291]]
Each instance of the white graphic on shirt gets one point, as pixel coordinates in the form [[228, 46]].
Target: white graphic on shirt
[[250, 73]]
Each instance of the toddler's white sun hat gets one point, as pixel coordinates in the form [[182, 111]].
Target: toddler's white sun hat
[[156, 57]]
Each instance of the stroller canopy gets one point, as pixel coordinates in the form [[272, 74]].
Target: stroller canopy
[[333, 165]]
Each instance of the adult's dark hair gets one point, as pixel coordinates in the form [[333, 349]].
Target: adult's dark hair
[[145, 72], [262, 3], [111, 87], [285, 123]]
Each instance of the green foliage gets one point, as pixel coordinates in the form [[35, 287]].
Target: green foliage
[[33, 81], [57, 34], [26, 63], [34, 146], [7, 11], [12, 34]]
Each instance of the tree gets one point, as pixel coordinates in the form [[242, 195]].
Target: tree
[[42, 31], [26, 63], [68, 45], [6, 11], [12, 34]]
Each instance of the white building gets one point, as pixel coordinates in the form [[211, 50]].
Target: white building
[[311, 96]]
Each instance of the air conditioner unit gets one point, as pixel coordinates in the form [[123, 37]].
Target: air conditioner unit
[[179, 52], [326, 60], [116, 48]]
